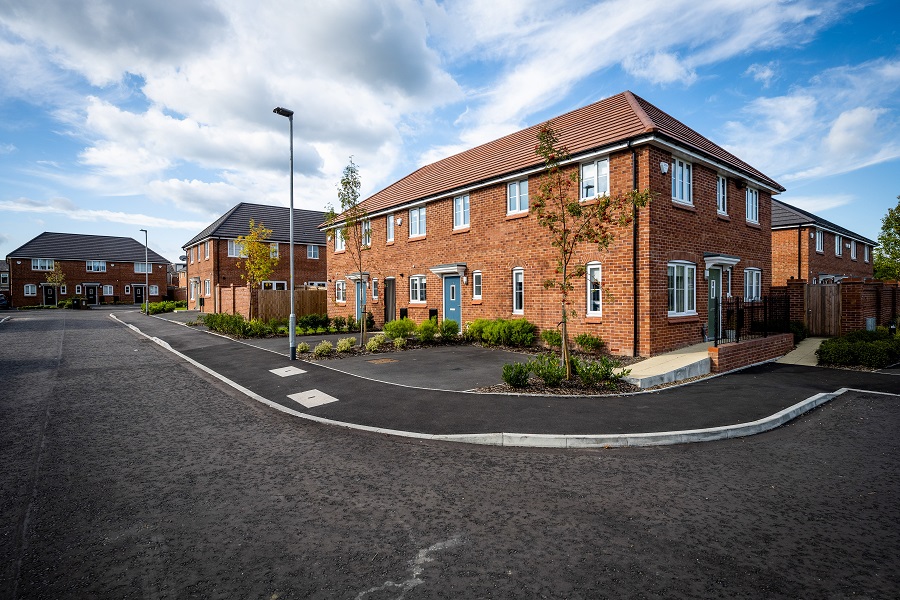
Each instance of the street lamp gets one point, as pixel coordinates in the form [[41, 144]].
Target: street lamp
[[146, 278], [292, 324]]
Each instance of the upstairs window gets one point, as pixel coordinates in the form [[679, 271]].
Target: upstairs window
[[820, 240], [339, 243], [366, 233], [140, 267], [594, 179], [866, 252], [273, 249], [235, 249], [417, 222], [206, 249], [96, 266], [312, 252], [517, 197], [838, 246], [722, 195], [752, 284], [461, 211], [41, 264], [752, 205], [853, 249], [682, 181], [390, 227]]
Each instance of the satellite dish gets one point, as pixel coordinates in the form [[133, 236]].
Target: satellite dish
[[182, 258]]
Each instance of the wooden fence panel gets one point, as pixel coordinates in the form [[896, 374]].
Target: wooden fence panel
[[824, 304], [276, 304]]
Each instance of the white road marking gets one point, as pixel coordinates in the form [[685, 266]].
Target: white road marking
[[312, 398], [287, 371]]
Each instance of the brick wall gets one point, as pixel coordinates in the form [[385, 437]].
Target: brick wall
[[233, 300], [861, 300], [221, 269], [813, 263], [749, 352], [118, 274], [495, 243]]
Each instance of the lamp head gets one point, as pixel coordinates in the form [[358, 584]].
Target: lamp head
[[284, 112]]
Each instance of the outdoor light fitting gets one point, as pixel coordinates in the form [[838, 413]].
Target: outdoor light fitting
[[284, 112]]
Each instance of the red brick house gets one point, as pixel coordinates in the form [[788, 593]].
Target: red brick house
[[455, 238], [806, 246], [212, 257], [101, 269]]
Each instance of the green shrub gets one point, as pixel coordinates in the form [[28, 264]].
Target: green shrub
[[589, 343], [375, 344], [427, 330], [165, 306], [370, 321], [346, 344], [449, 329], [323, 349], [313, 321], [500, 332], [601, 372], [400, 328], [552, 337], [234, 325], [871, 349], [475, 330], [516, 374], [339, 323], [800, 331], [352, 325], [548, 368], [302, 347], [399, 343]]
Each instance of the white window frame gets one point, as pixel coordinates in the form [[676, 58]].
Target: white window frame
[[235, 250], [273, 249], [752, 284], [63, 291], [517, 197], [206, 288], [461, 212], [78, 289], [154, 290], [865, 253], [127, 290], [476, 285], [820, 240], [594, 170], [30, 289], [752, 197], [312, 252], [366, 233], [192, 252], [418, 289], [518, 291], [273, 285], [340, 291], [688, 293], [108, 290], [4, 278], [389, 228], [682, 181], [838, 245], [722, 194], [852, 249], [95, 266], [594, 275], [339, 243], [193, 286], [374, 289], [206, 248], [41, 264], [417, 222], [141, 267]]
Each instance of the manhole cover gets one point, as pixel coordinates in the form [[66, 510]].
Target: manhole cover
[[381, 361]]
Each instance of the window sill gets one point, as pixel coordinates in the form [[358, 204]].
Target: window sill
[[684, 205], [476, 301], [723, 216], [594, 319], [341, 302], [460, 230], [418, 303], [822, 252], [675, 319], [517, 215], [340, 251], [417, 238], [389, 243], [754, 225]]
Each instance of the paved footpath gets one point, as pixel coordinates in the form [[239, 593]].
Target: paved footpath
[[741, 397]]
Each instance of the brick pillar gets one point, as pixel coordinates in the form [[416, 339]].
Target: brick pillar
[[852, 305], [797, 293]]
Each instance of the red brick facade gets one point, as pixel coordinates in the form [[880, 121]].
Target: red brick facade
[[794, 255], [727, 357], [209, 262], [496, 243], [120, 279]]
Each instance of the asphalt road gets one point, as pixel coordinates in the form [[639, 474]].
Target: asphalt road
[[127, 473]]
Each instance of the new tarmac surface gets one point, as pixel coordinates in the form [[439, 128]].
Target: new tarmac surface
[[419, 393]]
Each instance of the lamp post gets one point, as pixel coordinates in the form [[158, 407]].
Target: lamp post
[[146, 278], [292, 324]]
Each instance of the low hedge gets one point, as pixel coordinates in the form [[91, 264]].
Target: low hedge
[[873, 349], [519, 333]]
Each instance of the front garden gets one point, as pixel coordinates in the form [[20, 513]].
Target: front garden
[[861, 349]]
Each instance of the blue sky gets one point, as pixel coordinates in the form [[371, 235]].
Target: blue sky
[[122, 115]]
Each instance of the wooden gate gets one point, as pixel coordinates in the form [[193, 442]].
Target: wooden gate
[[823, 303]]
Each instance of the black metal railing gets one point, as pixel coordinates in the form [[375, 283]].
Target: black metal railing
[[748, 319]]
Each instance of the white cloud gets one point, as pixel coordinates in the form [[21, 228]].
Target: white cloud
[[7, 148], [64, 207], [659, 68], [765, 74], [820, 204]]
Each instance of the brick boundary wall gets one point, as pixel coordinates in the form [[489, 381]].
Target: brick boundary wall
[[749, 352], [233, 300], [860, 299]]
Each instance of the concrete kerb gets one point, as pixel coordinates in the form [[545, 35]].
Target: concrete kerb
[[546, 440]]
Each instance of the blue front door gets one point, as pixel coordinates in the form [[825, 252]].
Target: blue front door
[[451, 300], [360, 299]]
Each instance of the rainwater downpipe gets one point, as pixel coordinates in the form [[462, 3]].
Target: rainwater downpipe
[[634, 251]]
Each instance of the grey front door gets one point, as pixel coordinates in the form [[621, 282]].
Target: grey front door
[[714, 320], [390, 299]]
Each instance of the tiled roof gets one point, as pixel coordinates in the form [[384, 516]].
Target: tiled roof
[[76, 246], [613, 120], [787, 216], [236, 222]]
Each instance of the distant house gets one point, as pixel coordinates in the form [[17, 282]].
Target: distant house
[[456, 238], [100, 269], [213, 256], [4, 279], [806, 246]]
